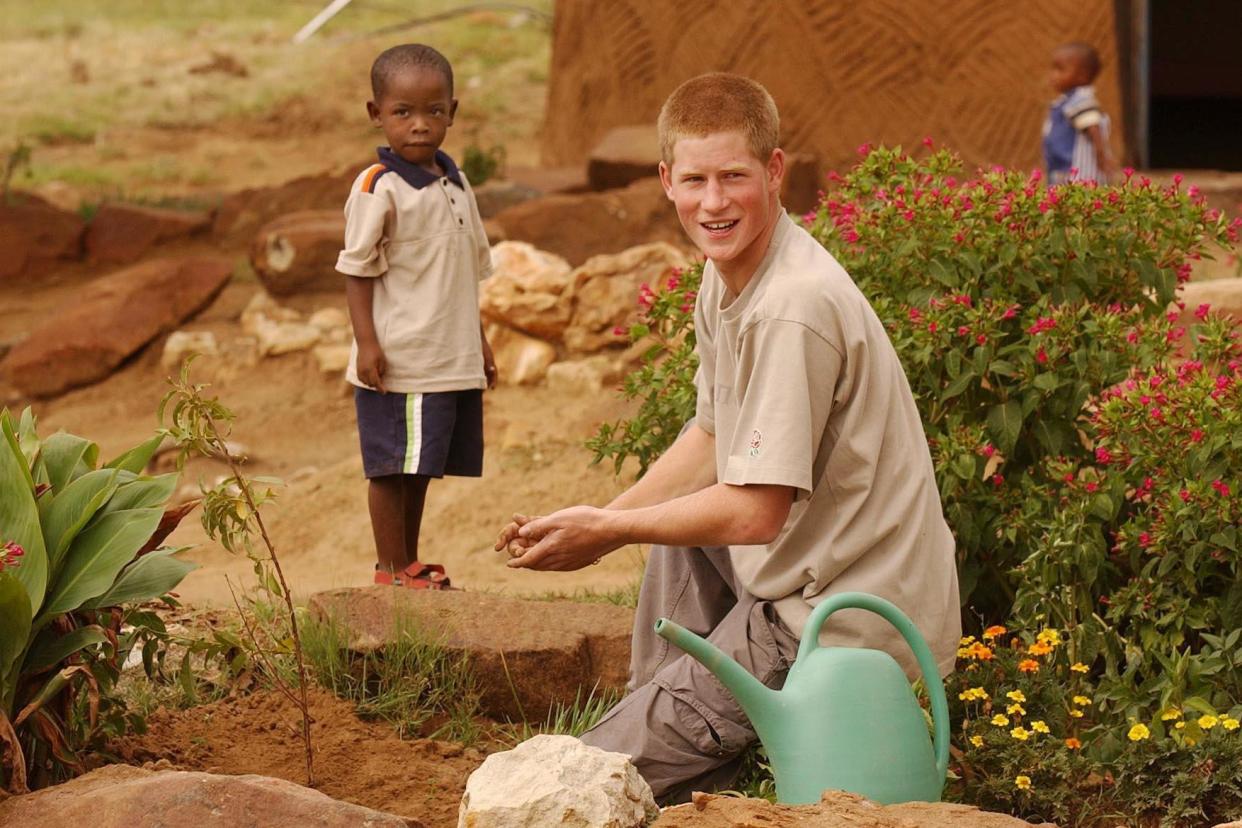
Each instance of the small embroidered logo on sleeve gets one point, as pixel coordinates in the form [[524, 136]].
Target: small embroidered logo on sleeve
[[756, 441]]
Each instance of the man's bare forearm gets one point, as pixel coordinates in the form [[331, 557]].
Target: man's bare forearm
[[688, 465], [719, 515]]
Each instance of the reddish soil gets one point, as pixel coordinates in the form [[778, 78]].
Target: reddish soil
[[355, 761]]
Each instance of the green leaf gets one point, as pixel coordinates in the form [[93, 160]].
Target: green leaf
[[98, 554], [19, 516], [66, 456], [1102, 506], [1004, 426], [136, 459], [67, 512], [141, 493], [14, 626], [51, 649], [958, 385], [149, 577]]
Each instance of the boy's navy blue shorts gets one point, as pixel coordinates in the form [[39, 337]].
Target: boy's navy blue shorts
[[431, 434]]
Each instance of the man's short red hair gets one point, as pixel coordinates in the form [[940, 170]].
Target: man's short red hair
[[720, 102]]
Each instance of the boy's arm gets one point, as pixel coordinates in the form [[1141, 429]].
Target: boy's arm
[[371, 366], [1103, 153], [489, 359]]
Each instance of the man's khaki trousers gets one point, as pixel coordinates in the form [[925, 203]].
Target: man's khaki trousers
[[682, 728]]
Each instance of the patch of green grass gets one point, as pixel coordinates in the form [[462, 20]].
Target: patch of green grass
[[412, 682], [56, 130], [93, 178], [566, 719], [624, 596]]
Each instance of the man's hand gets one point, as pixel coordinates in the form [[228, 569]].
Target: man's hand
[[372, 366], [566, 540], [509, 539]]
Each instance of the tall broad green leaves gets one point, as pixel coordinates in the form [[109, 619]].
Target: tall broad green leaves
[[19, 514], [14, 630]]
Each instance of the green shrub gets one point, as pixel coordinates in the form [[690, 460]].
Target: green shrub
[[1035, 741], [69, 617]]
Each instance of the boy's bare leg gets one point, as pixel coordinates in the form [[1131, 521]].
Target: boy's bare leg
[[386, 502], [414, 498]]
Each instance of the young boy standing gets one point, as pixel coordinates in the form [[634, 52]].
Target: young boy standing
[[415, 251], [1076, 130]]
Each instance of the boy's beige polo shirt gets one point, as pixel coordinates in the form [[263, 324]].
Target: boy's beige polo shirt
[[802, 388], [427, 250]]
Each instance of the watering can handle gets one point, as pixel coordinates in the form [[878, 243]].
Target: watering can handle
[[890, 613]]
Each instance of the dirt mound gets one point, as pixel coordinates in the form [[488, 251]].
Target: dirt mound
[[355, 761]]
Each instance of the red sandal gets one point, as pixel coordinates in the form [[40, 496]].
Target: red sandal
[[419, 575]]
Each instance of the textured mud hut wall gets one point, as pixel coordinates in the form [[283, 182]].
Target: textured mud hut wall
[[971, 73]]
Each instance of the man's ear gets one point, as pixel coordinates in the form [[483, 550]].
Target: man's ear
[[452, 111], [776, 170], [666, 178], [373, 112]]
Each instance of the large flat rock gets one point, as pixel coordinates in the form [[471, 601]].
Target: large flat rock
[[529, 656], [122, 233], [35, 236], [297, 252], [115, 316], [121, 796]]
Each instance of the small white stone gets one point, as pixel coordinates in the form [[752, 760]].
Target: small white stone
[[331, 359], [556, 780], [181, 344], [329, 319]]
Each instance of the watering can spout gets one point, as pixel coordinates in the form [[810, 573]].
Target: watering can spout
[[751, 694]]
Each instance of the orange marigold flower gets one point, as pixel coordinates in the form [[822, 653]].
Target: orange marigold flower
[[1028, 665], [1039, 648], [994, 631], [1072, 743]]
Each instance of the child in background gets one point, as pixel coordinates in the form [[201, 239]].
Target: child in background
[[415, 251], [1076, 129]]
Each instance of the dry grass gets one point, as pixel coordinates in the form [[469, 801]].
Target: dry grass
[[155, 98]]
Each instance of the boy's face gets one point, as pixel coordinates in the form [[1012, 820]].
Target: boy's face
[[725, 197], [1067, 70], [415, 111]]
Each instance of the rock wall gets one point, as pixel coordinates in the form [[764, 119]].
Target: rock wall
[[971, 73]]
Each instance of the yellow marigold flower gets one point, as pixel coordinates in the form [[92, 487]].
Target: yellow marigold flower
[[1138, 733], [1191, 742], [1072, 743], [1000, 720], [1028, 665], [972, 693], [1081, 701], [1079, 667], [967, 641], [1229, 723], [1170, 714], [1039, 726], [977, 741], [1207, 722], [1179, 725], [1049, 636], [1023, 782], [1015, 710], [1016, 695], [1020, 733], [1077, 714], [993, 632]]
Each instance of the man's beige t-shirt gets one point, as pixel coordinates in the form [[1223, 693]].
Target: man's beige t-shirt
[[420, 236], [801, 387]]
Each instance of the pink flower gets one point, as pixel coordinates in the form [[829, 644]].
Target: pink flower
[[9, 553], [864, 150], [963, 330], [927, 141], [618, 331], [998, 480], [987, 449], [1201, 312], [932, 327], [1184, 494], [1132, 337], [1041, 356], [1103, 456], [1128, 172], [1196, 435], [1010, 312], [1091, 487], [915, 316], [1177, 179], [981, 339], [1144, 540], [1222, 489]]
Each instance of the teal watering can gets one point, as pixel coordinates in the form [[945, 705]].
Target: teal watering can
[[846, 718]]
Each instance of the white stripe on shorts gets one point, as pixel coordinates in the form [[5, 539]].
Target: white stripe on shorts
[[413, 432]]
